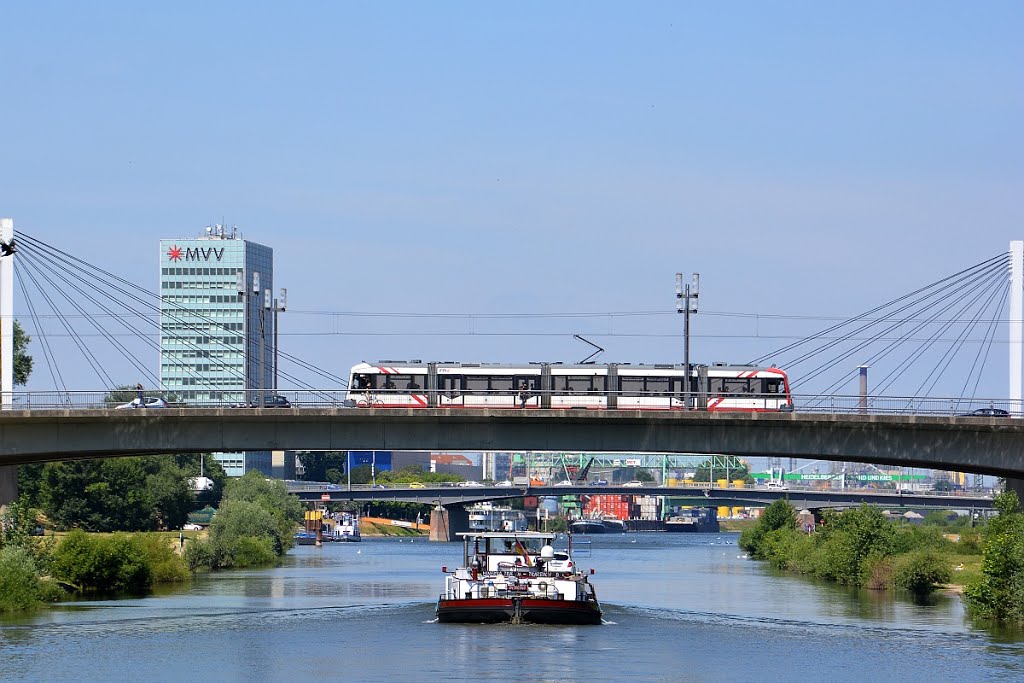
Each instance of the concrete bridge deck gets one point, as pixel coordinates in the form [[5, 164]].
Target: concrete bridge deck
[[993, 446]]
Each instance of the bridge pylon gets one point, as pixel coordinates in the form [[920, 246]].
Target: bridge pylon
[[8, 474]]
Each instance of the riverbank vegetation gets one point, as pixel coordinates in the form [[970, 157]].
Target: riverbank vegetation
[[858, 547], [120, 494], [254, 526], [998, 596]]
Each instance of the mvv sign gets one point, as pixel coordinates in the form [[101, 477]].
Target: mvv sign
[[176, 253]]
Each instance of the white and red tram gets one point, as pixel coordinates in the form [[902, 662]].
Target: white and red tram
[[718, 387]]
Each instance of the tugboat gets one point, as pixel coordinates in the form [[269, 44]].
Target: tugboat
[[516, 577]]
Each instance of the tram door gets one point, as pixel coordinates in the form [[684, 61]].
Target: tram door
[[451, 389]]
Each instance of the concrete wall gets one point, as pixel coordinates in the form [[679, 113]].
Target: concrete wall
[[8, 485]]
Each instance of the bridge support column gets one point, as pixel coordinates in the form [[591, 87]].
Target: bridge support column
[[1017, 486], [446, 521], [8, 485]]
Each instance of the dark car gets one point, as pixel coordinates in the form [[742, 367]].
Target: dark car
[[269, 401], [986, 412]]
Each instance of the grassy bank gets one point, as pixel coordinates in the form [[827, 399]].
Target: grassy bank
[[378, 526]]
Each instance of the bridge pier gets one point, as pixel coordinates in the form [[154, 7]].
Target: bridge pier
[[446, 521], [1017, 486], [8, 485]]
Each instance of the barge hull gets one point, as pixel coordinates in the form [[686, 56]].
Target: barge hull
[[517, 610]]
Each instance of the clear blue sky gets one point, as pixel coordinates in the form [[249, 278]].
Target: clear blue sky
[[469, 158]]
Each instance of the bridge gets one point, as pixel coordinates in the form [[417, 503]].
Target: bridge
[[914, 430], [983, 445], [693, 495]]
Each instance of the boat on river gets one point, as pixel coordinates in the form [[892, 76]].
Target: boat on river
[[517, 577], [597, 525], [694, 520]]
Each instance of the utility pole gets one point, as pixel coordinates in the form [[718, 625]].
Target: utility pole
[[280, 304], [686, 303], [263, 346]]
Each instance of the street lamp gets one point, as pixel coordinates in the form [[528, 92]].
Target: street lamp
[[686, 303]]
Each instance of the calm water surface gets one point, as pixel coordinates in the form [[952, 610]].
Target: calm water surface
[[678, 607]]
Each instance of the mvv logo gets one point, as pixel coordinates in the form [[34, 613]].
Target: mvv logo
[[176, 253]]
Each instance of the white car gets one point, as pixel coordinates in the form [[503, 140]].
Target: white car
[[471, 484], [192, 527], [150, 402], [635, 484], [505, 484], [565, 482]]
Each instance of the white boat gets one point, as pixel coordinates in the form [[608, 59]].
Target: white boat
[[517, 577]]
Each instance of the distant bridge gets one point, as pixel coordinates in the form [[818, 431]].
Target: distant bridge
[[694, 495]]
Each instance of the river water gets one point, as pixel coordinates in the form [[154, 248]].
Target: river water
[[678, 607]]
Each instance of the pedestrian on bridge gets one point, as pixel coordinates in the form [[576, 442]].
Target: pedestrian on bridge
[[138, 395]]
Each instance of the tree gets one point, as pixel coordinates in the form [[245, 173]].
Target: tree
[[116, 494], [716, 468], [317, 464], [22, 361]]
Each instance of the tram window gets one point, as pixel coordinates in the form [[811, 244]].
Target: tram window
[[416, 382], [577, 384], [736, 387], [502, 385], [773, 386], [631, 386], [715, 386], [658, 386], [475, 384]]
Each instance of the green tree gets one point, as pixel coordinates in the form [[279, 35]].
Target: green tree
[[273, 497], [730, 467], [999, 595], [779, 515], [848, 542], [116, 494], [317, 464], [22, 361], [20, 586]]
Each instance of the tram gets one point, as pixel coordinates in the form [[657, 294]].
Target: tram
[[717, 387]]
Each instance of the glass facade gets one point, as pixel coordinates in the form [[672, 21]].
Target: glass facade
[[214, 338]]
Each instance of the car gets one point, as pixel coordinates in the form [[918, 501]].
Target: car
[[986, 412], [599, 482], [416, 485], [269, 401], [558, 563], [505, 484], [470, 484], [149, 402], [192, 527], [565, 482], [635, 484]]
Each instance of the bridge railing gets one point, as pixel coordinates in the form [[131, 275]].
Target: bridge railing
[[632, 400]]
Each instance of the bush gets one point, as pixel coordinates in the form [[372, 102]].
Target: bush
[[20, 587], [102, 564], [165, 565], [920, 571], [198, 554], [249, 551]]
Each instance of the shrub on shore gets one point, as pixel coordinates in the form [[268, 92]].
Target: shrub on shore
[[21, 587], [114, 563], [858, 547], [999, 595]]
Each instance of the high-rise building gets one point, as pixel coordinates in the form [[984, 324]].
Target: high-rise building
[[217, 324]]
